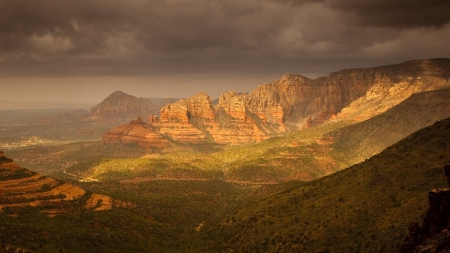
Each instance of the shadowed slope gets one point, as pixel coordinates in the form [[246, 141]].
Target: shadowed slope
[[361, 209]]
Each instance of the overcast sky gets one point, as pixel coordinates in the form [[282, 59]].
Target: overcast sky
[[83, 50]]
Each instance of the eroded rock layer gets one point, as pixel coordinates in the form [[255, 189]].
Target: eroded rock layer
[[295, 102], [136, 132], [20, 188]]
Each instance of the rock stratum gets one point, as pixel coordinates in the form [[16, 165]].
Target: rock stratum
[[296, 102], [20, 188], [136, 132]]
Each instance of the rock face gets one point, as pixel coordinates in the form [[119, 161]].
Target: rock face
[[434, 235], [295, 102], [123, 107], [175, 119], [136, 132], [393, 84], [196, 120]]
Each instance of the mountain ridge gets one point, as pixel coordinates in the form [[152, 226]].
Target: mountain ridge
[[295, 102]]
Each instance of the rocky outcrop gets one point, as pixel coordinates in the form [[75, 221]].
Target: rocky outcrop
[[235, 125], [434, 234], [196, 120], [394, 84], [295, 102], [200, 106], [123, 107], [137, 132], [21, 188], [175, 122]]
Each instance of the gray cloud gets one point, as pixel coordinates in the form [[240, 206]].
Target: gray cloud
[[395, 14], [143, 37]]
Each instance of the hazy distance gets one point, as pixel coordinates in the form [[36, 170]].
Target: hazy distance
[[78, 51]]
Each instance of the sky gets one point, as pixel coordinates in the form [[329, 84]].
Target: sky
[[83, 50]]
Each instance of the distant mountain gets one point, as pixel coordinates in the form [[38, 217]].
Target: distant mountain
[[295, 102], [365, 208], [39, 105], [123, 107], [163, 101], [68, 117]]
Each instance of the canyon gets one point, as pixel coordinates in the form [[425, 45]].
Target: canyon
[[284, 106]]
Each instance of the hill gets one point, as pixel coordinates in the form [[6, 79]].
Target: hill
[[363, 140], [322, 150], [122, 107], [20, 188], [364, 208], [152, 216]]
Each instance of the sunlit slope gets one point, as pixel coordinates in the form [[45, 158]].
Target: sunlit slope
[[21, 188], [296, 156], [365, 208], [360, 141], [322, 150], [305, 155]]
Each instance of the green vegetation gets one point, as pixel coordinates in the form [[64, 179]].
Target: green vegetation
[[365, 208], [357, 142], [296, 156], [119, 169], [15, 174], [161, 216], [303, 155]]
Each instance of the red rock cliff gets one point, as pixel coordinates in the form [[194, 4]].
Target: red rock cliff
[[295, 102], [136, 132]]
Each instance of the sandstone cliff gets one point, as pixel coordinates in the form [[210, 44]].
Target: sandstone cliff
[[136, 132], [393, 84], [175, 120], [196, 120], [295, 102]]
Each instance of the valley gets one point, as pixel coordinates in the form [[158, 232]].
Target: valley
[[341, 163]]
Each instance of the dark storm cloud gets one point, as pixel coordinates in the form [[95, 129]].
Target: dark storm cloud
[[398, 13], [387, 13], [134, 32], [139, 37]]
